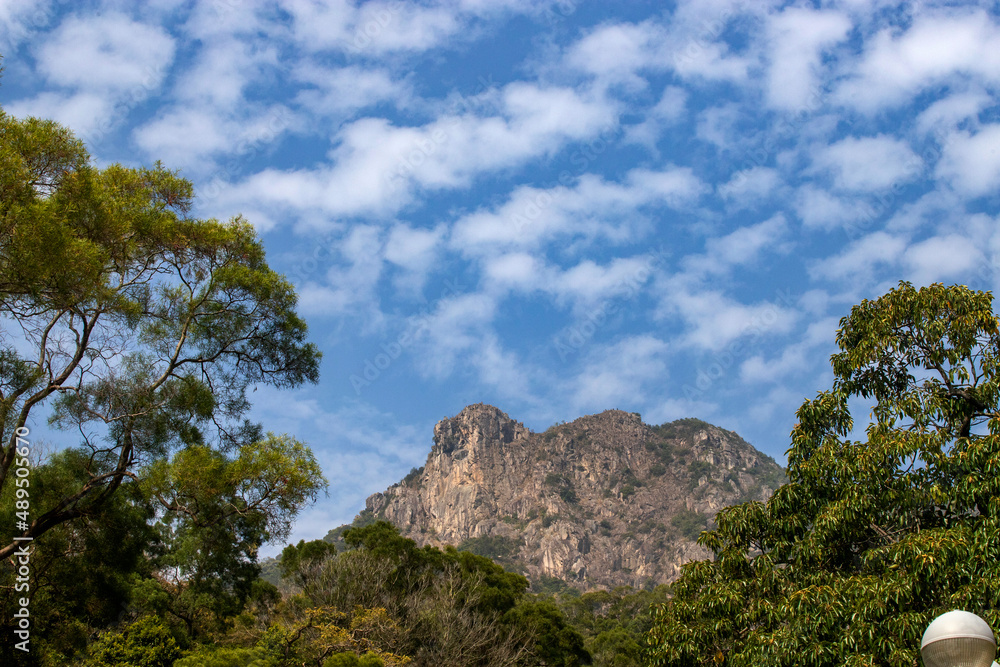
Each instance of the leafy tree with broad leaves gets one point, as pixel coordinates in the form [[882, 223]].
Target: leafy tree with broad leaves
[[872, 537]]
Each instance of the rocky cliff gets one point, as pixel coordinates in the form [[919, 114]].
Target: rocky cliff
[[603, 501]]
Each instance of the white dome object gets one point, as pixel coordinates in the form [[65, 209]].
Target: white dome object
[[958, 639]]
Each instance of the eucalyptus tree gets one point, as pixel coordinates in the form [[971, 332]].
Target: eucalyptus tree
[[131, 324]]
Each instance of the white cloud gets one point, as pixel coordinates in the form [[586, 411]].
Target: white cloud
[[109, 52], [378, 168], [590, 282], [342, 90], [516, 270], [592, 209], [861, 258], [818, 208], [701, 59], [413, 249], [941, 258], [937, 207], [796, 358], [210, 115], [740, 247], [615, 53], [937, 47], [583, 285], [798, 37], [20, 20], [378, 28], [188, 137], [212, 20], [744, 245], [370, 28], [105, 66], [750, 186], [351, 283], [715, 320], [944, 115], [667, 112], [223, 70], [182, 135], [502, 370], [455, 329], [971, 162], [615, 375], [867, 164], [89, 115]]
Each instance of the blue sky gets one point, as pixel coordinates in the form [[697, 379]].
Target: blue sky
[[554, 207]]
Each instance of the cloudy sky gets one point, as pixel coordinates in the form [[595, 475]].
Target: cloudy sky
[[554, 207]]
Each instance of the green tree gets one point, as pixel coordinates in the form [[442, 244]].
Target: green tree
[[137, 326], [296, 562], [871, 538], [141, 329], [435, 606], [352, 660], [144, 643], [613, 623], [555, 642], [214, 656], [217, 511]]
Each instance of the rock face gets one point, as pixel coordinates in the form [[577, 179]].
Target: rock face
[[600, 502]]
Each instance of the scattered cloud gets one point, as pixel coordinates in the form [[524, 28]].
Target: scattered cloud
[[938, 47], [616, 374], [866, 164], [592, 208], [941, 259], [667, 112], [749, 187], [100, 67], [488, 177], [110, 52], [971, 162], [818, 208], [798, 38], [862, 257], [714, 320]]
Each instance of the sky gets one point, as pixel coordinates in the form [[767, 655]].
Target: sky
[[556, 208]]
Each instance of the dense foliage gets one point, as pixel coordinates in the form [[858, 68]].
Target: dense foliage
[[873, 536], [385, 601], [613, 623]]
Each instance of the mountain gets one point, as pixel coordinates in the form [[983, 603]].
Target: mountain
[[600, 502]]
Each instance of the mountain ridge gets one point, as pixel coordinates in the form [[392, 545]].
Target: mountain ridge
[[603, 501]]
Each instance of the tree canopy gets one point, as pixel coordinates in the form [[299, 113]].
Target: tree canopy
[[873, 536], [139, 327], [386, 596]]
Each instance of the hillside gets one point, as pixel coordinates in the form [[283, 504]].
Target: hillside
[[603, 501]]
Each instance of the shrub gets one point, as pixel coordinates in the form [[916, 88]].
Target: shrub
[[145, 643]]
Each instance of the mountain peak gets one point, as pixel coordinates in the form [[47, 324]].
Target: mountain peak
[[476, 426], [602, 501]]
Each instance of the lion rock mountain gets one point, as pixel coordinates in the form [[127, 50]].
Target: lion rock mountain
[[600, 502]]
